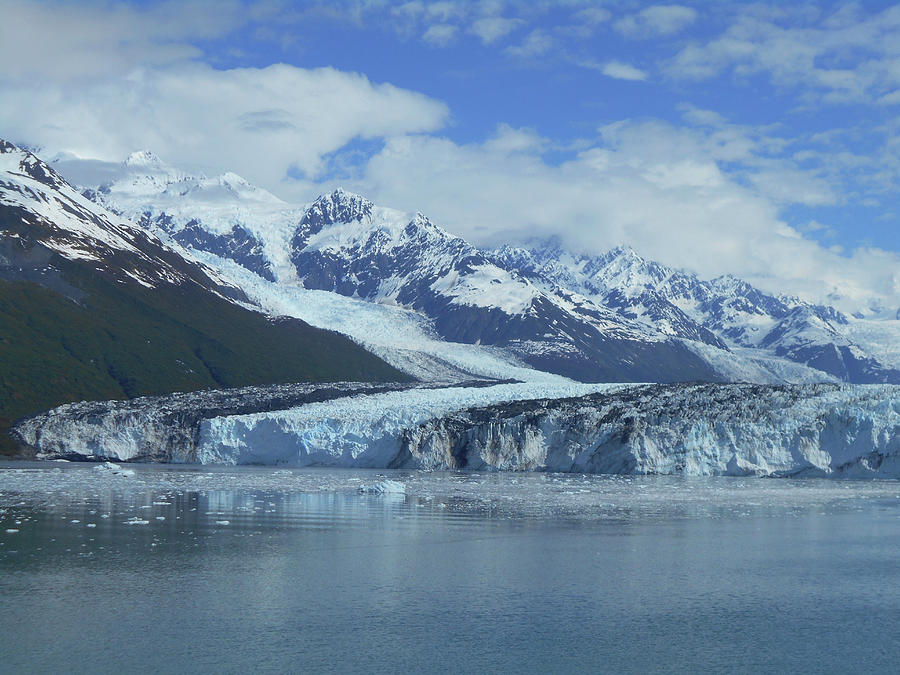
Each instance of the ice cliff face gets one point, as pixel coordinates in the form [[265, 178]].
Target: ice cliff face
[[808, 430], [689, 429], [160, 428]]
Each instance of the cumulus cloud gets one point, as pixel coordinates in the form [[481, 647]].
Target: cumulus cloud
[[536, 43], [260, 121], [839, 57], [593, 15], [656, 20], [91, 40], [489, 29], [440, 34], [622, 71]]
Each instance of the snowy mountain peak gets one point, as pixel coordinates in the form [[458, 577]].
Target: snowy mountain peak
[[624, 251], [40, 208], [421, 220], [142, 174], [541, 249], [625, 268], [143, 158], [227, 188], [626, 258], [338, 207], [231, 178], [728, 283], [18, 160]]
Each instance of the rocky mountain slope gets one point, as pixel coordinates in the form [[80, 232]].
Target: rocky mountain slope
[[94, 306]]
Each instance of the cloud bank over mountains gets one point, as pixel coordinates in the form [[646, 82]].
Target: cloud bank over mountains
[[692, 188]]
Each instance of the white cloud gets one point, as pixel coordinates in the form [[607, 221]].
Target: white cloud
[[508, 140], [622, 71], [593, 15], [440, 34], [656, 20], [536, 43], [489, 29], [650, 185], [259, 122], [92, 40], [446, 10], [839, 57], [441, 10], [785, 185]]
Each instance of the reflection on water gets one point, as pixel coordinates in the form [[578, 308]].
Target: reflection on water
[[250, 569]]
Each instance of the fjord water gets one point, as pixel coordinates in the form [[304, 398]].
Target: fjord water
[[247, 569]]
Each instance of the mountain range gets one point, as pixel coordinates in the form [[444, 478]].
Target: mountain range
[[610, 317]]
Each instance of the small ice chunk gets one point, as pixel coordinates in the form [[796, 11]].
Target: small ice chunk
[[137, 521], [223, 522], [11, 531], [113, 469], [385, 487]]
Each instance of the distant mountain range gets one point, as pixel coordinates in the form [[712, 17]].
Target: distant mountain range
[[612, 317]]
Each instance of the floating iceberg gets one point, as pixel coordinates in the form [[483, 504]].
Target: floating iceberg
[[389, 487], [108, 468]]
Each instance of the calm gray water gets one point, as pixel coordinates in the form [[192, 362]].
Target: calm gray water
[[256, 570]]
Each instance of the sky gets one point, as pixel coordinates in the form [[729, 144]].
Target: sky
[[751, 138]]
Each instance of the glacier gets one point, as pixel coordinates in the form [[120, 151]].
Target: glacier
[[158, 428], [813, 430]]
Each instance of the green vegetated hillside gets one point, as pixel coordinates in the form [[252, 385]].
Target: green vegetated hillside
[[123, 340]]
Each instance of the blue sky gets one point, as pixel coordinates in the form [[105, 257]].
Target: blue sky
[[752, 138]]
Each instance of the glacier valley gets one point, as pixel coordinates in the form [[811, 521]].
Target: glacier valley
[[526, 358]]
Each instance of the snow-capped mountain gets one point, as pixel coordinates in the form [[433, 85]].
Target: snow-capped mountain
[[227, 202], [93, 305], [40, 207], [347, 245], [631, 295], [733, 311], [610, 317]]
